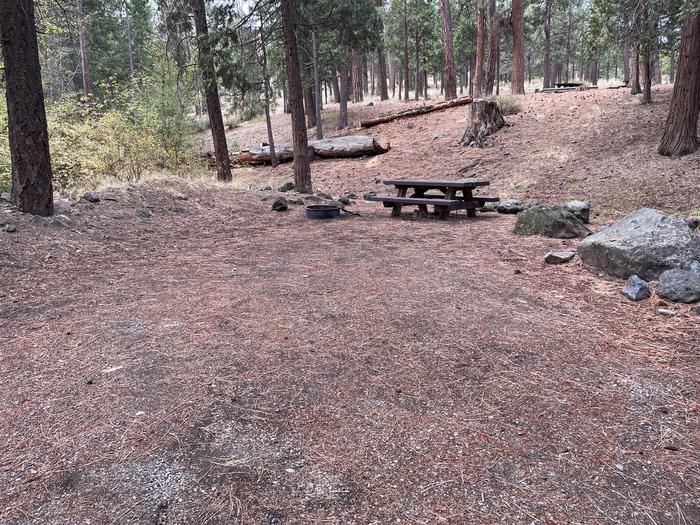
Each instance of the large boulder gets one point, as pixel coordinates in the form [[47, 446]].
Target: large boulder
[[646, 243], [679, 286], [550, 221]]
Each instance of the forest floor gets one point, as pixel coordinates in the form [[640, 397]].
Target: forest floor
[[182, 354]]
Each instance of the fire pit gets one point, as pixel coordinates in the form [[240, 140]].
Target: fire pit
[[323, 211]]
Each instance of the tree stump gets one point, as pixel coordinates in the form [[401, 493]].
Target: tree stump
[[484, 119]]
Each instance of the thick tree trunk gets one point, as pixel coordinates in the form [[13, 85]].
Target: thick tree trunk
[[626, 61], [480, 51], [417, 86], [357, 75], [680, 133], [646, 74], [32, 190], [547, 67], [493, 47], [344, 89], [317, 86], [448, 63], [484, 119], [635, 86], [336, 88], [518, 83], [309, 98], [302, 171], [87, 82]]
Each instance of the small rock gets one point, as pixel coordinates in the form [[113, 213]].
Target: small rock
[[91, 196], [5, 196], [620, 467], [10, 228], [559, 257], [289, 470], [666, 313], [280, 204], [550, 221], [580, 209], [62, 206], [295, 200], [267, 188], [411, 125], [679, 286], [344, 200], [370, 104], [510, 206], [287, 186], [179, 209], [62, 221], [144, 213], [435, 136], [636, 289], [489, 207], [368, 195]]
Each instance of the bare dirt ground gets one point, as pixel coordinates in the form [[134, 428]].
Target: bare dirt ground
[[211, 361]]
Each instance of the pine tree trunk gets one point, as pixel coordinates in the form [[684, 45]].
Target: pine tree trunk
[[493, 47], [626, 62], [406, 72], [518, 83], [344, 89], [211, 90], [480, 51], [547, 67], [302, 171], [32, 190], [635, 86], [417, 86], [448, 67], [87, 83], [309, 98], [268, 92], [317, 86], [680, 133], [357, 75], [645, 73]]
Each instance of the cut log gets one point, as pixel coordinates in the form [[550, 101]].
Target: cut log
[[334, 148], [416, 111], [484, 119]]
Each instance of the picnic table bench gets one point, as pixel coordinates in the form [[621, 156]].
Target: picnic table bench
[[453, 195]]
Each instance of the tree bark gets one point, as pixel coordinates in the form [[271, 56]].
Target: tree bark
[[646, 74], [635, 86], [518, 82], [547, 73], [309, 97], [406, 72], [448, 64], [344, 89], [32, 190], [480, 43], [211, 90], [268, 91], [680, 133], [87, 82], [484, 119], [626, 62], [302, 170], [357, 76], [493, 47], [418, 83], [317, 85]]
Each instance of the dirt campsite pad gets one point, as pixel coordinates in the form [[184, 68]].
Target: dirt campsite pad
[[182, 354]]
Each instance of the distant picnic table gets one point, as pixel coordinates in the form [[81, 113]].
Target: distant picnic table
[[444, 195]]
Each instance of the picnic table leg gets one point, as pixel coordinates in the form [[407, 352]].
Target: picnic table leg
[[467, 193], [396, 210], [422, 208], [444, 210]]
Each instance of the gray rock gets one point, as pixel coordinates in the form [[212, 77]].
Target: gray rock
[[5, 196], [10, 228], [61, 221], [411, 125], [91, 196], [550, 221], [144, 213], [581, 209], [489, 207], [287, 186], [280, 204], [369, 194], [267, 188], [510, 206], [295, 200], [666, 313], [312, 199], [62, 206], [646, 242], [694, 267], [344, 200], [559, 257], [679, 286], [636, 289]]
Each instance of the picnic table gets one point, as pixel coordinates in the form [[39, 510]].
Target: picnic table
[[444, 195]]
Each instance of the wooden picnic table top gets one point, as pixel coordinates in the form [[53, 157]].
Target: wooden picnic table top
[[425, 183]]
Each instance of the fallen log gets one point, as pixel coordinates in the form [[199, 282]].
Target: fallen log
[[334, 148], [416, 111]]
